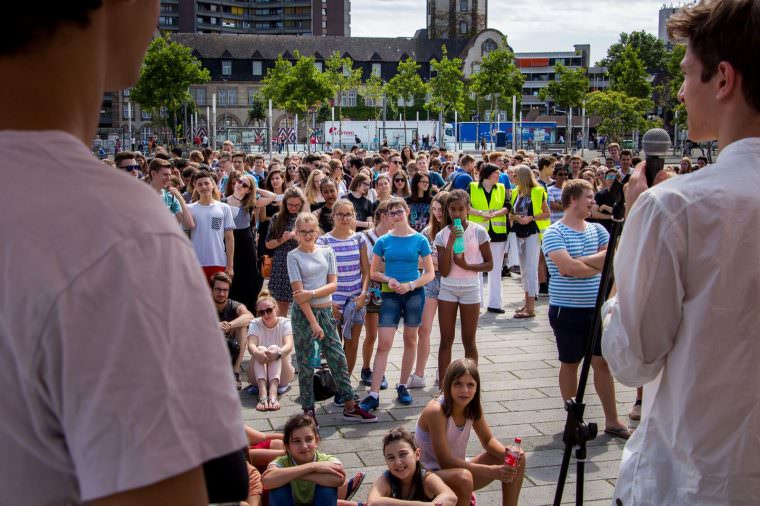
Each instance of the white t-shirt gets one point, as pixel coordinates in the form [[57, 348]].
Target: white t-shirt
[[211, 221], [474, 236], [266, 336], [105, 320]]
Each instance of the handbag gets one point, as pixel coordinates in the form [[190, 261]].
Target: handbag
[[266, 266], [523, 231], [324, 383]]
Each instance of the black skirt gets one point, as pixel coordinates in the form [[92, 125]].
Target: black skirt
[[247, 281]]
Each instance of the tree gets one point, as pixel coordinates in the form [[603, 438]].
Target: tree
[[446, 87], [374, 89], [620, 113], [651, 50], [568, 90], [167, 72], [405, 85], [257, 111], [296, 87], [498, 79], [342, 76], [629, 75]]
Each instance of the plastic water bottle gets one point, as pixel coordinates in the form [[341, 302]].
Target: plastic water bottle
[[315, 360], [459, 241], [512, 454]]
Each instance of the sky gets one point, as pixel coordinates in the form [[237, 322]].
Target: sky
[[530, 25]]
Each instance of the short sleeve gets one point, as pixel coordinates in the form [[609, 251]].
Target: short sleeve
[[254, 328], [379, 248], [294, 270], [161, 333], [482, 235], [229, 219], [440, 240], [332, 266], [286, 327], [552, 241], [322, 240], [423, 245], [175, 207], [602, 235]]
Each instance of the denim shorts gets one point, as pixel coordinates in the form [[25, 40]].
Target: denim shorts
[[432, 288], [463, 291], [409, 305]]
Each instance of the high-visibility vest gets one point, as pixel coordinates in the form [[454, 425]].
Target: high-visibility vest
[[478, 201], [537, 197]]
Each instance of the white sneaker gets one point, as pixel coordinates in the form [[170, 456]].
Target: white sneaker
[[415, 381]]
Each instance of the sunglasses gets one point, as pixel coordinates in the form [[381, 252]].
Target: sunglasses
[[262, 312], [307, 232], [292, 168], [395, 161], [398, 180], [130, 168], [244, 185], [397, 212]]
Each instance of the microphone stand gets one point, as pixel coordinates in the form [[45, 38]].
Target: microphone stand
[[577, 432]]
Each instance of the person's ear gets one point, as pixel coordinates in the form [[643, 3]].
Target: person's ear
[[726, 80], [417, 454]]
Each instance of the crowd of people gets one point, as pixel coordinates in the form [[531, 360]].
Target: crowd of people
[[350, 243]]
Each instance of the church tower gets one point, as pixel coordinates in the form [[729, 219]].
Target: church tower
[[456, 19]]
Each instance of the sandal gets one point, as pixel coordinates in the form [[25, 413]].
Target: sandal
[[263, 405], [523, 314], [274, 404], [353, 485], [621, 432]]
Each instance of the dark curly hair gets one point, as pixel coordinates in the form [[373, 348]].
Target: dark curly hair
[[25, 27]]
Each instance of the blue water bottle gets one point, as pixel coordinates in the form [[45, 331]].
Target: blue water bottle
[[315, 360], [459, 241]]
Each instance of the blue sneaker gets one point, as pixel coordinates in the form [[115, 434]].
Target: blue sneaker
[[369, 403], [404, 397], [367, 377], [338, 401], [384, 384]]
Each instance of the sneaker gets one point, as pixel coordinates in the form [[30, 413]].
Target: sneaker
[[384, 384], [404, 397], [415, 381], [496, 310], [635, 413], [369, 403], [310, 412], [282, 389], [505, 272], [252, 390], [338, 401], [358, 414], [367, 376]]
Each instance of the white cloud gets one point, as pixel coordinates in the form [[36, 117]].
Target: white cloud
[[530, 25]]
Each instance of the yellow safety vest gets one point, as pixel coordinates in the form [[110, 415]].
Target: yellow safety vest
[[478, 201], [537, 197]]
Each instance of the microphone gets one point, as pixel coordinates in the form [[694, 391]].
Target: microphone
[[656, 143]]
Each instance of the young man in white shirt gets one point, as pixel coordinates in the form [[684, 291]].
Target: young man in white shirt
[[105, 399], [213, 236], [685, 322]]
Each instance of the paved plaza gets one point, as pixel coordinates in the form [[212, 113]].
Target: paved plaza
[[519, 367]]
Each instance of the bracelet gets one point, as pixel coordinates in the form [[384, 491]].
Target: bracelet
[[313, 294], [411, 285]]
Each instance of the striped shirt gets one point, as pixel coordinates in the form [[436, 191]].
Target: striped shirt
[[554, 194], [566, 291], [348, 259]]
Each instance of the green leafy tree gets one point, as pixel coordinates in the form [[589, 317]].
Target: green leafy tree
[[498, 79], [674, 82], [568, 90], [257, 111], [620, 113], [447, 90], [167, 72], [374, 89], [343, 77], [629, 76], [406, 85], [296, 87], [651, 50]]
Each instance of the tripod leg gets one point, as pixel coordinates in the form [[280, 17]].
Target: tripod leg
[[563, 474], [580, 458]]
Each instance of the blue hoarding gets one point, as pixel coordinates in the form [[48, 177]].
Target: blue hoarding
[[534, 131]]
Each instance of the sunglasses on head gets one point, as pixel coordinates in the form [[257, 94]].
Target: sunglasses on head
[[262, 312]]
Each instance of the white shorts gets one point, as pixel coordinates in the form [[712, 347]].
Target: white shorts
[[463, 291]]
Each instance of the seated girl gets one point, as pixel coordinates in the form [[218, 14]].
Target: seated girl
[[305, 476], [406, 481], [443, 430]]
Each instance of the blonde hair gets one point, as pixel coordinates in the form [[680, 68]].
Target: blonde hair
[[304, 218], [265, 296], [249, 202], [311, 192], [525, 178]]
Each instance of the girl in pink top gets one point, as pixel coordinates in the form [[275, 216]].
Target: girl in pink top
[[460, 286]]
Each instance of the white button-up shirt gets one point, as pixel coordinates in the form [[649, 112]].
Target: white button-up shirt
[[687, 326]]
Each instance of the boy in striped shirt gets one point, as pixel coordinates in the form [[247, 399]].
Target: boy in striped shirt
[[570, 245]]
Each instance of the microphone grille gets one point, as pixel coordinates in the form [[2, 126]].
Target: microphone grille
[[656, 142]]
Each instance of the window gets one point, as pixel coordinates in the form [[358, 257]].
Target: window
[[376, 69], [463, 27], [463, 6], [221, 96], [318, 65], [251, 95], [256, 68], [227, 96], [199, 95], [226, 67], [488, 46], [348, 98], [125, 113], [125, 93], [145, 115], [146, 133]]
